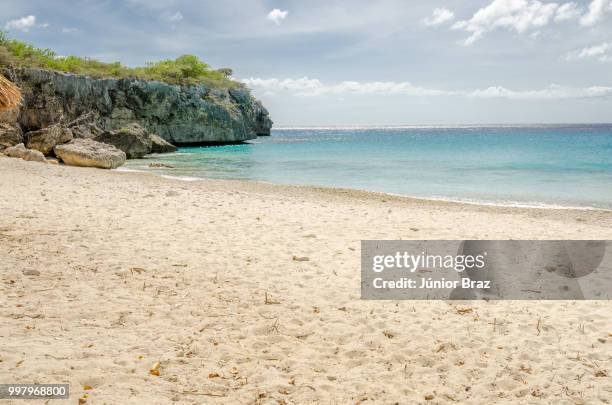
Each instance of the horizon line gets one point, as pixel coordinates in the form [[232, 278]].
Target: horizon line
[[400, 126]]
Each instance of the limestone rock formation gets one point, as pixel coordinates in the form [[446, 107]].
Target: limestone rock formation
[[158, 145], [133, 139], [34, 156], [89, 153], [255, 112], [21, 152], [9, 135], [17, 151], [45, 139], [194, 114], [85, 126], [10, 116]]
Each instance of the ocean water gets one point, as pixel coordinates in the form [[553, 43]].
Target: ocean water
[[547, 165]]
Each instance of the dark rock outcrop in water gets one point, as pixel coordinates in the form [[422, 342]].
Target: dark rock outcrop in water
[[179, 114], [159, 145]]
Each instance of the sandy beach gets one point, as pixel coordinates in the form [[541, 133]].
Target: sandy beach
[[138, 289]]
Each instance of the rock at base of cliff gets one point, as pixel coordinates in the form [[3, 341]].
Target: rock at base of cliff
[[34, 156], [85, 126], [132, 139], [44, 140], [10, 116], [89, 153], [159, 145], [10, 135], [21, 152], [17, 151]]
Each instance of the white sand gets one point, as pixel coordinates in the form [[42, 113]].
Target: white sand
[[136, 269]]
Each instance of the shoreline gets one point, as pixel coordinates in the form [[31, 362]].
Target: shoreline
[[374, 194]]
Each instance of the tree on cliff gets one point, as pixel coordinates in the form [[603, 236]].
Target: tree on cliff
[[184, 70]]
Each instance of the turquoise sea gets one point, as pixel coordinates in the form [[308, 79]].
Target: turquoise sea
[[545, 165]]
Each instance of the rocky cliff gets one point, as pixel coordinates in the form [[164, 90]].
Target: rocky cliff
[[180, 114]]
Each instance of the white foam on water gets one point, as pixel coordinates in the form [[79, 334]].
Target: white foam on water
[[504, 203], [180, 178], [126, 169]]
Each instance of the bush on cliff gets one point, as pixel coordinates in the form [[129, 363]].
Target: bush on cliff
[[184, 70]]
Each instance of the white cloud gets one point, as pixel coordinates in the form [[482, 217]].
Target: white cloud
[[518, 15], [439, 16], [314, 87], [176, 17], [383, 88], [552, 92], [303, 84], [152, 4], [567, 11], [23, 23], [68, 30], [172, 17], [277, 15], [596, 11], [602, 51]]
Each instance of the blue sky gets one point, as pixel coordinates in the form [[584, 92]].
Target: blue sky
[[360, 62]]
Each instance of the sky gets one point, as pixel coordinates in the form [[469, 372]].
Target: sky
[[360, 62]]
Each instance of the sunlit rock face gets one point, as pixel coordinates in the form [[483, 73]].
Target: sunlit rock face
[[196, 114]]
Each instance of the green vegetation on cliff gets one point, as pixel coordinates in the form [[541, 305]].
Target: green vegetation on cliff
[[184, 70]]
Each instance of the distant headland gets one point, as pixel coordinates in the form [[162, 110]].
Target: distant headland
[[183, 101]]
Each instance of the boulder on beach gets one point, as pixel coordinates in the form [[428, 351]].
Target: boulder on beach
[[17, 151], [89, 153], [132, 139], [21, 152], [44, 140], [159, 145], [9, 135], [34, 156]]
